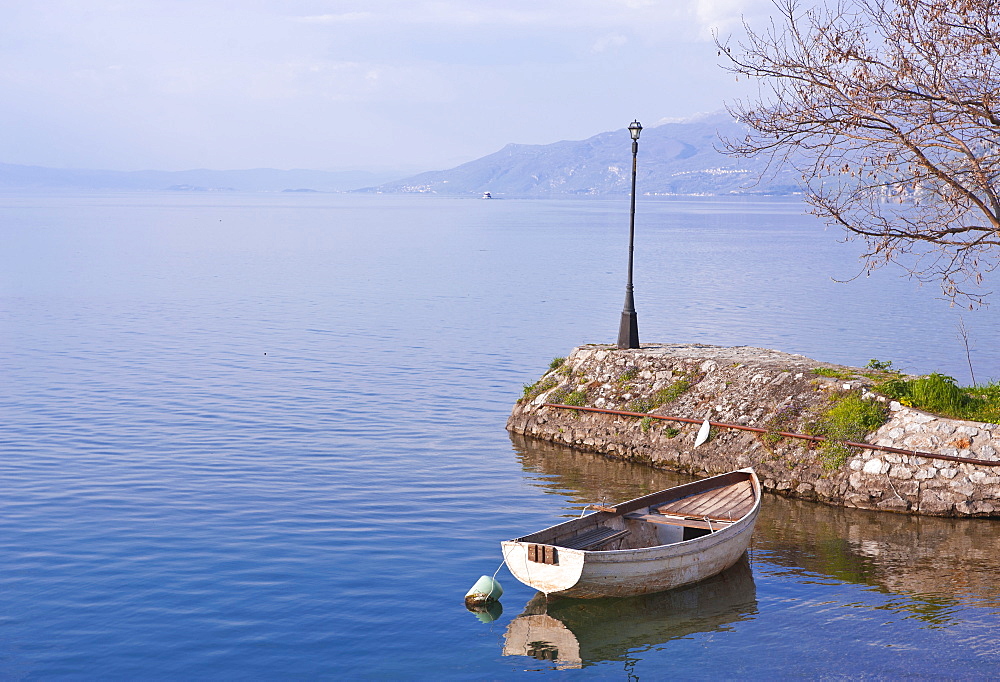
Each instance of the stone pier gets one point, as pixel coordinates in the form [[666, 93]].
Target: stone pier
[[768, 389]]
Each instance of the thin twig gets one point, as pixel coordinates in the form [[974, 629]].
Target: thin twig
[[963, 334]]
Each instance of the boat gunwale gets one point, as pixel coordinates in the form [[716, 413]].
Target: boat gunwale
[[622, 508], [687, 546], [723, 535]]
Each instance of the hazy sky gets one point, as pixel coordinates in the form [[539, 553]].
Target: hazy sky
[[344, 84]]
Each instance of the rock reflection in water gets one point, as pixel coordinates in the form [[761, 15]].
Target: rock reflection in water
[[937, 563], [573, 633], [934, 563]]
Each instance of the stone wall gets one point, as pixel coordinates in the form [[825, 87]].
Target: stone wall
[[767, 389]]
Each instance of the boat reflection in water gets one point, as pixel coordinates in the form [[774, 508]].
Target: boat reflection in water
[[573, 633]]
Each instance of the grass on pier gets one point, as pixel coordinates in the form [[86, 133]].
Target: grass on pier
[[940, 394]]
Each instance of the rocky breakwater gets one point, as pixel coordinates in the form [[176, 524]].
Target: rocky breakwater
[[779, 393]]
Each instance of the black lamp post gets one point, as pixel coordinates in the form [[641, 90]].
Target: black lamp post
[[628, 332]]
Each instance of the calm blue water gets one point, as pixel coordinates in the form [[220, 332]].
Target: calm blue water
[[253, 436]]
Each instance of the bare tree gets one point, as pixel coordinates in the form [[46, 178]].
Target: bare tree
[[890, 109]]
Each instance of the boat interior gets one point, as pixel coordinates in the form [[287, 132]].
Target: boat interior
[[672, 516]]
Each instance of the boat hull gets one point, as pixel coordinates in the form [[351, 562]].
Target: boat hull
[[627, 572]]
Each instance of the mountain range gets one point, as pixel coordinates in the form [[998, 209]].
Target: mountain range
[[253, 180], [678, 157], [675, 158]]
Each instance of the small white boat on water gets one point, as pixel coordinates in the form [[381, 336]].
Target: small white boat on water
[[675, 537]]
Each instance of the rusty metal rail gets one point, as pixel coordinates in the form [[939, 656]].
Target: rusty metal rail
[[786, 434]]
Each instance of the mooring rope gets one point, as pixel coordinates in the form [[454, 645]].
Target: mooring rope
[[502, 562]]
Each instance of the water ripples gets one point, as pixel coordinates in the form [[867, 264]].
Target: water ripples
[[252, 452]]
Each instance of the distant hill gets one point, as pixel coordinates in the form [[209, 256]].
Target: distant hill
[[254, 180], [674, 158]]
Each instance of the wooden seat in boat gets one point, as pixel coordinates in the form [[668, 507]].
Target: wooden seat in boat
[[592, 539], [703, 510], [706, 523], [726, 503]]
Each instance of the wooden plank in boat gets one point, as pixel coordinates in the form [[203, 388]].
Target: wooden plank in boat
[[728, 500], [694, 503], [685, 491], [705, 503], [672, 520], [730, 495], [593, 538]]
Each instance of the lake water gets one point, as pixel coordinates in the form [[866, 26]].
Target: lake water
[[262, 437]]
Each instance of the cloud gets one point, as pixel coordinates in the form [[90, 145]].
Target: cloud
[[360, 82], [609, 42], [667, 18], [193, 83], [726, 15], [348, 17]]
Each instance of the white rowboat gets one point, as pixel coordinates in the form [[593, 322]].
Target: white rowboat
[[657, 542]]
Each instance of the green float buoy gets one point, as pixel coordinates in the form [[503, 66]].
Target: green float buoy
[[484, 591]]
